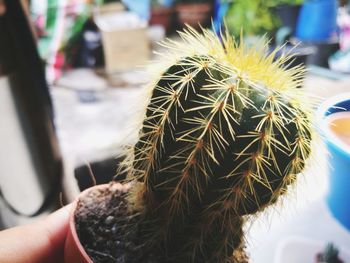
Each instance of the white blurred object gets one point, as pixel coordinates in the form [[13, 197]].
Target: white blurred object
[[340, 61], [82, 79], [343, 21], [124, 38], [21, 182], [123, 20], [156, 33], [303, 250]]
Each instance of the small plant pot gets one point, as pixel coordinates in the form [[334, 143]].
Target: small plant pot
[[193, 14], [74, 250], [322, 51]]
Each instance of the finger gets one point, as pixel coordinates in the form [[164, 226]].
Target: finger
[[40, 242], [2, 7]]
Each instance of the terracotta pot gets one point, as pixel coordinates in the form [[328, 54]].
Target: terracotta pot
[[193, 14], [162, 16], [74, 251]]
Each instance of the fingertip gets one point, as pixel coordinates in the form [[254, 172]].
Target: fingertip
[[57, 222]]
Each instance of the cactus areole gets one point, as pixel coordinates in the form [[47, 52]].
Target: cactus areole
[[224, 135]]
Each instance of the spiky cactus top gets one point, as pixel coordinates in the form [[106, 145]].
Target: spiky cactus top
[[225, 134]]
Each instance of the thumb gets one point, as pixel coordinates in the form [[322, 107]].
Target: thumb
[[40, 242]]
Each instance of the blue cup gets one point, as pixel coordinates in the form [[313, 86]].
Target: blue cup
[[338, 197]]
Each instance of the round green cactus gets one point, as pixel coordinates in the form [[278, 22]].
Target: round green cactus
[[225, 133]]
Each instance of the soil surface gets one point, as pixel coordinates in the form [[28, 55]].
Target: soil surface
[[107, 230]]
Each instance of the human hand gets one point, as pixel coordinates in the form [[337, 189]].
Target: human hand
[[2, 7], [39, 242]]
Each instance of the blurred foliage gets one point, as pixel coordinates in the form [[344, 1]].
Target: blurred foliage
[[253, 17], [284, 2], [58, 23]]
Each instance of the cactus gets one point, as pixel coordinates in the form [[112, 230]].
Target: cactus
[[225, 134]]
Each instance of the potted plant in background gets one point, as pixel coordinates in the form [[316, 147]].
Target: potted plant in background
[[254, 16], [329, 255], [224, 135], [193, 12], [162, 13]]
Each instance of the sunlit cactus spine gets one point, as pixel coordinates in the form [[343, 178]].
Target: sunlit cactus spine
[[225, 133]]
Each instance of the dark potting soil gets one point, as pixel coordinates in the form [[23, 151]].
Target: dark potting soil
[[107, 230]]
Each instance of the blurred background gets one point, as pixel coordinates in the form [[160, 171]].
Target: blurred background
[[72, 73]]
